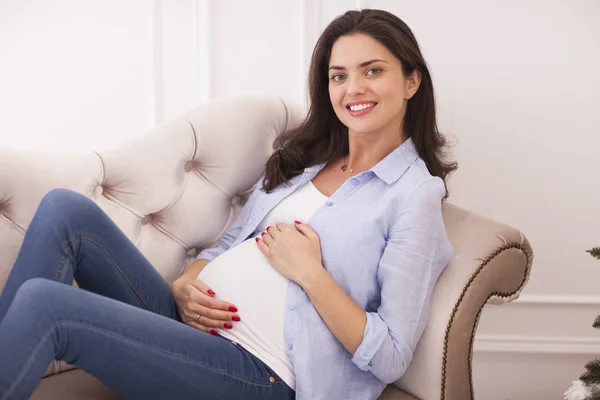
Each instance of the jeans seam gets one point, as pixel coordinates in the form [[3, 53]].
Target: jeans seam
[[116, 265], [27, 365], [157, 349], [61, 268]]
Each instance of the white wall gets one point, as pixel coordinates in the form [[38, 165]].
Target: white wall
[[74, 74], [517, 85]]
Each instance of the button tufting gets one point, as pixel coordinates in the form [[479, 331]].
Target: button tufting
[[98, 190], [146, 220], [192, 252], [188, 166], [4, 205]]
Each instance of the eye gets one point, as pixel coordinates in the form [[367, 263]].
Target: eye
[[338, 77], [374, 71]]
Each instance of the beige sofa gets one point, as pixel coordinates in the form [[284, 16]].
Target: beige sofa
[[175, 190]]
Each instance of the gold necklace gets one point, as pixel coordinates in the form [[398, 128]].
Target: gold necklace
[[345, 167]]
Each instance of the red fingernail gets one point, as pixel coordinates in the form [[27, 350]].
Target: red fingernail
[[257, 239], [268, 228], [236, 318], [263, 234], [210, 291], [214, 332], [227, 325], [297, 222], [232, 309]]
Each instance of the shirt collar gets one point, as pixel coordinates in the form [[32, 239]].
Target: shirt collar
[[390, 169]]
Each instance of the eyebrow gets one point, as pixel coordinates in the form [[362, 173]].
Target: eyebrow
[[361, 65]]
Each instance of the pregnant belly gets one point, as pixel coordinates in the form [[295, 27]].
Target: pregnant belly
[[243, 276]]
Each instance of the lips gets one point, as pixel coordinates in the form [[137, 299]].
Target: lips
[[360, 106], [358, 109]]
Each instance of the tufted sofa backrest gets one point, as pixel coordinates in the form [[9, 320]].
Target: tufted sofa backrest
[[173, 191]]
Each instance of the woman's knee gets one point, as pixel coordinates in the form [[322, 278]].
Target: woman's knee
[[34, 295], [60, 197], [63, 203]]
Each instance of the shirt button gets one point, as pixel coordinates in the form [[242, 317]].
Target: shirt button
[[329, 203], [291, 307], [290, 346], [355, 182]]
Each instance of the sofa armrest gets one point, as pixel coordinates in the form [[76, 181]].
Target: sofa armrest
[[491, 264]]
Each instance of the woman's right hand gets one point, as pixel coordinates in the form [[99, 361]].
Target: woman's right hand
[[199, 309]]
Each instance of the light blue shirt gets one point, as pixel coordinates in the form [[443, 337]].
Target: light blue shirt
[[383, 241]]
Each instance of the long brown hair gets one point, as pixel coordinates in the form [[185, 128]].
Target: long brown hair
[[323, 138]]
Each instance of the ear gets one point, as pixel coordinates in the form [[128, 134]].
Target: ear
[[412, 84]]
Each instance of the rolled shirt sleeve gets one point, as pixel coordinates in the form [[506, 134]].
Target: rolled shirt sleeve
[[416, 253]]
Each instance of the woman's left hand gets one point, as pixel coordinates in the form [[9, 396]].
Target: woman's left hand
[[293, 251]]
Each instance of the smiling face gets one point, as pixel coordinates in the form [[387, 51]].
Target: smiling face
[[367, 87]]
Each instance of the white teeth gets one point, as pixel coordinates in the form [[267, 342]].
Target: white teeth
[[359, 107]]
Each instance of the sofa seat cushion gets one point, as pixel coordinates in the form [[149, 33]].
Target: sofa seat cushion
[[72, 385], [79, 385]]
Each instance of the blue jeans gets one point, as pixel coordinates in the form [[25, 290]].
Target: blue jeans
[[121, 325]]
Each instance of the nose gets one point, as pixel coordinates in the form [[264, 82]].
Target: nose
[[356, 86]]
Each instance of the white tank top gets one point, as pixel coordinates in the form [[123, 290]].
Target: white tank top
[[243, 276]]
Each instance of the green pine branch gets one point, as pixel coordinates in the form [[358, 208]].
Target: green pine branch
[[595, 252], [596, 323], [594, 396], [592, 375]]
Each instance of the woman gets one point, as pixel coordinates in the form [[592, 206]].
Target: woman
[[328, 310]]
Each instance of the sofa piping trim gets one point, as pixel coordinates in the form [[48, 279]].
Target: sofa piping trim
[[485, 262]]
